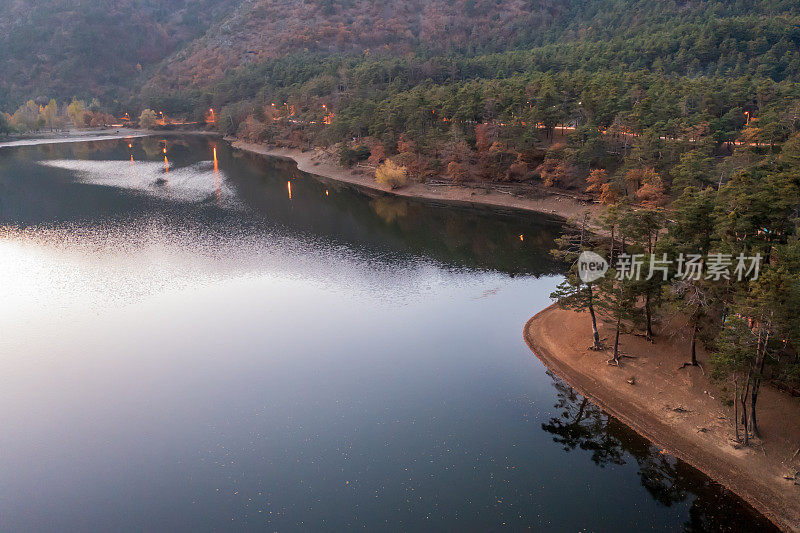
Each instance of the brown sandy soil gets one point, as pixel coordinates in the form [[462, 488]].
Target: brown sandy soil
[[321, 163], [679, 410]]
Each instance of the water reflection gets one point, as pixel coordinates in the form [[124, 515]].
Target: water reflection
[[389, 209], [274, 194], [581, 425], [213, 354]]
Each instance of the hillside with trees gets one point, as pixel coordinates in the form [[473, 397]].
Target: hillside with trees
[[91, 49]]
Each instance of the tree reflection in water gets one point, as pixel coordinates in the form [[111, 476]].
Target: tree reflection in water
[[582, 425]]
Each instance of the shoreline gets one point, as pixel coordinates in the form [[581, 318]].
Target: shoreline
[[76, 136], [313, 162], [560, 338]]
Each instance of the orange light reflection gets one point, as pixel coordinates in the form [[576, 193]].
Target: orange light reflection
[[217, 181]]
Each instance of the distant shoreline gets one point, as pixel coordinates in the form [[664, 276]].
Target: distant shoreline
[[109, 134], [678, 410], [554, 204], [74, 136], [313, 162]]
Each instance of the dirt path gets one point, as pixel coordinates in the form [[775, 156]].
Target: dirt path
[[678, 410], [319, 163]]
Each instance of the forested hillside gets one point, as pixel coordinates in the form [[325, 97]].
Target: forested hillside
[[91, 48], [108, 49], [688, 38], [263, 29]]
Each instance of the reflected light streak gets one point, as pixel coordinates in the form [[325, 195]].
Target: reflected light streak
[[289, 187], [217, 181]]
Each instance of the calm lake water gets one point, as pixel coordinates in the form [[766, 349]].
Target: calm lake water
[[195, 349]]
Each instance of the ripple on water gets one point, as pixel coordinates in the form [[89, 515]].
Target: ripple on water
[[115, 263]]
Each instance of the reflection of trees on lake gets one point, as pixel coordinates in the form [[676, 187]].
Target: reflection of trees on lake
[[152, 147], [394, 229], [389, 209], [452, 235], [579, 424], [582, 425]]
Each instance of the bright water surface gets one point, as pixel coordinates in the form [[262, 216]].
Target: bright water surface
[[194, 349]]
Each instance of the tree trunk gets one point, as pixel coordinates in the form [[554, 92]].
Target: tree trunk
[[611, 253], [743, 401], [736, 413], [744, 420], [694, 345], [648, 313], [760, 361], [616, 341], [595, 333]]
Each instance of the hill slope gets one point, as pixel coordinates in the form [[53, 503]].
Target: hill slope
[[690, 37], [91, 48], [109, 49]]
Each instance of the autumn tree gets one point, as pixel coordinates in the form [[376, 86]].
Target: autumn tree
[[49, 114], [457, 172], [391, 175], [597, 182], [76, 111], [652, 192], [556, 173], [26, 117]]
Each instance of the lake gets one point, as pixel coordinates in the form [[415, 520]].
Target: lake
[[195, 338]]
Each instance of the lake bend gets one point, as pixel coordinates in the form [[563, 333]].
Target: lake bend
[[193, 337]]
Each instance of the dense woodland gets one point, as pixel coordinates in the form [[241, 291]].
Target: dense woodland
[[682, 117], [89, 49]]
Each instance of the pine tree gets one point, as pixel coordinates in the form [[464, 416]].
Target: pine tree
[[692, 233], [641, 228], [617, 305], [573, 293]]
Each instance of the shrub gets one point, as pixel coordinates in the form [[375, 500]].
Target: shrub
[[147, 120], [391, 175], [252, 130], [350, 156], [457, 172]]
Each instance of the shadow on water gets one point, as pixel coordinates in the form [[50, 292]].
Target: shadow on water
[[580, 425]]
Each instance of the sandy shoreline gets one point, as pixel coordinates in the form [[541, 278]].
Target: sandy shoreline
[[678, 410], [314, 162], [74, 136]]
